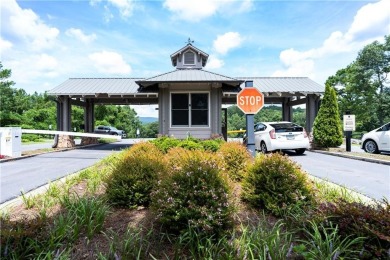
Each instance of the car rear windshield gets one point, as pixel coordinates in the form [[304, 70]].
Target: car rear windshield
[[281, 128]]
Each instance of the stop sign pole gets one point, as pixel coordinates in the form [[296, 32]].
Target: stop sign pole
[[250, 126]]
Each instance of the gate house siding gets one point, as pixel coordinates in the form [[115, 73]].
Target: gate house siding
[[214, 108]]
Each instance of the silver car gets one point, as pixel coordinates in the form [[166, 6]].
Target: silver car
[[109, 130], [274, 136]]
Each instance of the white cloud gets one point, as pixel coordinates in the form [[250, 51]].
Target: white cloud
[[46, 62], [125, 8], [196, 10], [79, 35], [110, 63], [27, 25], [192, 10], [214, 63], [4, 45], [300, 68], [370, 23], [227, 41]]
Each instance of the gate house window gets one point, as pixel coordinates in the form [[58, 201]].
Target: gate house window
[[190, 109]]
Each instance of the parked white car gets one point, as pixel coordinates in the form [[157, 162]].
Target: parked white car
[[378, 140], [273, 136]]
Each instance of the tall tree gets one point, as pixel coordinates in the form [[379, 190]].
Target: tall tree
[[327, 125], [363, 86], [8, 116], [375, 61]]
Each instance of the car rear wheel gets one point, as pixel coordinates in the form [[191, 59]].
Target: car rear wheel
[[300, 151], [263, 148], [370, 146]]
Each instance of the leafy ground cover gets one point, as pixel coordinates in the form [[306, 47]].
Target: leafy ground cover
[[76, 219]]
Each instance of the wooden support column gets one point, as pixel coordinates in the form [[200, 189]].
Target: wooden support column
[[287, 114], [66, 113], [312, 107], [89, 116], [215, 110], [163, 111], [59, 114]]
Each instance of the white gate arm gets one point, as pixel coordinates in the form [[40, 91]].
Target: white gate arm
[[49, 132]]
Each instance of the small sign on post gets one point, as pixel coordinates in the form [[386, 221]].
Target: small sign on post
[[349, 126], [349, 123]]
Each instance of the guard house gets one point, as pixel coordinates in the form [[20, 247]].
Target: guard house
[[189, 98]]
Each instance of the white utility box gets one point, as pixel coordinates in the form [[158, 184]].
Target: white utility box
[[11, 141]]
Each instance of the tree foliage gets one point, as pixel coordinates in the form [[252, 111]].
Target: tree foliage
[[327, 125], [363, 86]]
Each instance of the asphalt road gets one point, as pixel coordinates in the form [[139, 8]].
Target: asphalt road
[[370, 179], [30, 173]]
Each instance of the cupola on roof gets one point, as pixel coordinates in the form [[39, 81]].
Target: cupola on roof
[[189, 57]]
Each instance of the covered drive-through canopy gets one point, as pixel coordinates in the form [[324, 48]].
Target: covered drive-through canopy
[[86, 92]]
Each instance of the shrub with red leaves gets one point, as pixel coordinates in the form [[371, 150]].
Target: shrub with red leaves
[[360, 220]]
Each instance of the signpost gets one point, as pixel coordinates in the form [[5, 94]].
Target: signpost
[[349, 126], [250, 100]]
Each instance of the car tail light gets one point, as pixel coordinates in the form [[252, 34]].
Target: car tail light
[[272, 134], [304, 133]]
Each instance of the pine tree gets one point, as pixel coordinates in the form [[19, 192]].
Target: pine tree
[[327, 125]]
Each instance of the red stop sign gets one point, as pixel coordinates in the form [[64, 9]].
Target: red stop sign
[[250, 100]]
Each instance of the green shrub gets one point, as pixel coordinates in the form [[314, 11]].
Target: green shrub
[[134, 177], [276, 183], [360, 220], [211, 145], [190, 145], [236, 159], [165, 143], [193, 193], [144, 148], [30, 138]]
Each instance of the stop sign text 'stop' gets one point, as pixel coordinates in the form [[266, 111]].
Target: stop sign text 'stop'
[[250, 100]]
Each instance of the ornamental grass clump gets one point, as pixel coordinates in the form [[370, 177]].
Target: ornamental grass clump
[[236, 159], [193, 193], [134, 176], [276, 183]]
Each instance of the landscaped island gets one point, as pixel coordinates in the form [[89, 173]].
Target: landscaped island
[[193, 199]]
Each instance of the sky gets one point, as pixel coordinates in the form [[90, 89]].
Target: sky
[[46, 42]]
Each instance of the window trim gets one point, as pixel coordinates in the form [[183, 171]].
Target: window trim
[[190, 109]]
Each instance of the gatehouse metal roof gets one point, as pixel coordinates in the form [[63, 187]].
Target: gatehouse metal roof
[[131, 86], [93, 86], [189, 75], [285, 84]]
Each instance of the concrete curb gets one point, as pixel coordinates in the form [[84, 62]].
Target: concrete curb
[[352, 157], [54, 151]]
